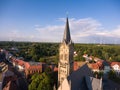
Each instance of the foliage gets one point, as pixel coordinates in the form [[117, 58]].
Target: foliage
[[48, 52], [98, 74], [105, 52], [43, 81], [42, 50], [112, 75]]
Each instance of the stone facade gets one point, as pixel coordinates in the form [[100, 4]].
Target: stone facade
[[65, 64]]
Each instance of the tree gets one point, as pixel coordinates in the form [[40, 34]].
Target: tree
[[42, 60], [112, 75], [43, 81], [118, 58]]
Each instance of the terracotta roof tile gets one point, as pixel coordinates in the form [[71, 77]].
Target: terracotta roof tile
[[94, 66], [75, 66], [55, 69], [35, 67], [113, 63]]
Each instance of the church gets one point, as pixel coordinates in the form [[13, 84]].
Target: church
[[65, 65], [82, 78]]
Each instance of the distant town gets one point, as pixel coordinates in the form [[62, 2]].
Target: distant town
[[64, 66]]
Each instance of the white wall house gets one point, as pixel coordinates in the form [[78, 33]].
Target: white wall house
[[21, 68], [116, 67]]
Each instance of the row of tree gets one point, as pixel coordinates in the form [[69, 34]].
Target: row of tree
[[105, 52], [49, 52]]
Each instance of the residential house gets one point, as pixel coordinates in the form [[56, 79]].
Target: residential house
[[96, 59], [116, 67], [75, 66], [33, 69], [106, 65], [95, 67], [88, 58], [98, 66], [19, 64]]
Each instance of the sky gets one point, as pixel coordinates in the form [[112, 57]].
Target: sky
[[91, 21]]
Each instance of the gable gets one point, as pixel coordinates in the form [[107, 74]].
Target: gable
[[78, 77]]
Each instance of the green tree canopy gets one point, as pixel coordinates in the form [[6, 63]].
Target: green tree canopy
[[43, 81]]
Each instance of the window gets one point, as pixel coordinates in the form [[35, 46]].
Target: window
[[62, 65], [62, 79], [61, 56], [66, 57]]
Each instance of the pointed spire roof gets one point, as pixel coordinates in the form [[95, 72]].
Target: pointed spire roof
[[67, 37]]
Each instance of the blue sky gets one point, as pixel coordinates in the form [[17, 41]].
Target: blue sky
[[91, 21]]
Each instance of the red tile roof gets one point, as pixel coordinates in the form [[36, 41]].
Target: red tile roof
[[95, 66], [75, 66], [27, 65], [55, 69], [35, 67], [20, 62], [113, 63], [98, 65], [100, 62]]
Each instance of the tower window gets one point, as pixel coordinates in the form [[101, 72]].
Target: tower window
[[62, 79], [61, 56], [66, 56]]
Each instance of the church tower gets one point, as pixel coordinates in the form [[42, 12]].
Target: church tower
[[65, 64]]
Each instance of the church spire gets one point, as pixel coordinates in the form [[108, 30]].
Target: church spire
[[65, 64], [67, 37]]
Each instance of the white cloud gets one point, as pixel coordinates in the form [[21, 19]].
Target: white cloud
[[51, 32], [82, 30], [115, 33], [17, 35], [79, 28]]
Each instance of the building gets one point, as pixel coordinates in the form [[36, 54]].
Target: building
[[70, 75], [97, 67], [33, 69], [3, 67], [81, 79], [116, 67], [106, 66], [66, 51], [75, 66]]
